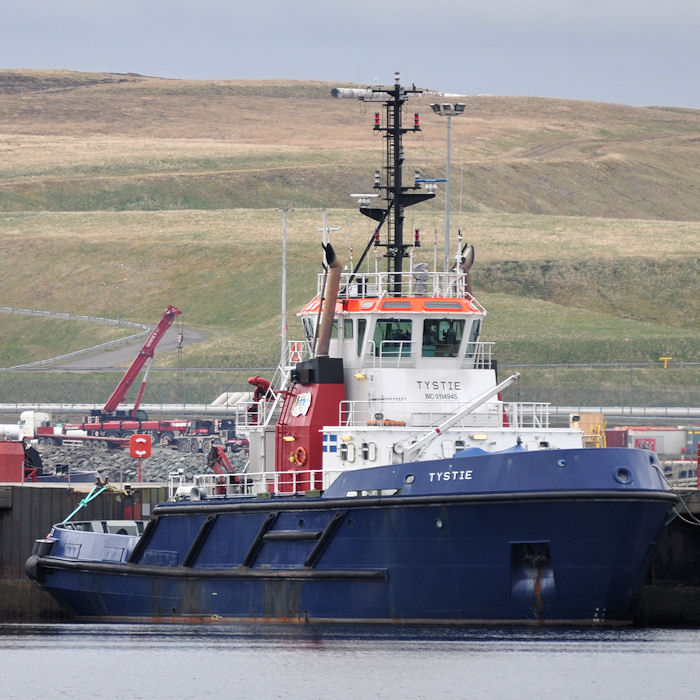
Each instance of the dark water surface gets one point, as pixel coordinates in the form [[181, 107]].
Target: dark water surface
[[273, 661]]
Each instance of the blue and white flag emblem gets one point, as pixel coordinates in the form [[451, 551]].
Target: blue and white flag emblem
[[330, 443]]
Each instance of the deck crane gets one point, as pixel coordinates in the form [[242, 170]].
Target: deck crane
[[109, 410]]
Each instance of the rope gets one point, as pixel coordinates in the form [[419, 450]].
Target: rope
[[83, 502], [690, 520]]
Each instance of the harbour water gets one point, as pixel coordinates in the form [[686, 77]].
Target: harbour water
[[308, 661]]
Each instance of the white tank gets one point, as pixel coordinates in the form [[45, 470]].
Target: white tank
[[9, 431]]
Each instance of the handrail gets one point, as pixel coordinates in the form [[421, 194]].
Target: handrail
[[520, 414], [259, 413], [681, 473], [397, 353], [372, 285], [250, 484]]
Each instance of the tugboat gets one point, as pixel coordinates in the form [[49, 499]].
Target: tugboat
[[388, 481]]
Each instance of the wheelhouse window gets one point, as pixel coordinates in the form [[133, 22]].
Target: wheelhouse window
[[473, 338], [442, 337], [361, 328], [308, 329], [392, 337]]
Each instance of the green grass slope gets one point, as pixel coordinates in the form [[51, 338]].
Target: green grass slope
[[120, 194]]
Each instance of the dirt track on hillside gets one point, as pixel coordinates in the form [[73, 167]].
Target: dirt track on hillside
[[121, 355]]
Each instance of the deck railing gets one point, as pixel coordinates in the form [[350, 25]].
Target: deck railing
[[372, 285], [252, 484], [255, 413], [430, 413], [681, 474], [405, 353]]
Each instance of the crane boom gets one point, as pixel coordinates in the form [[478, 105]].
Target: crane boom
[[145, 354], [412, 450]]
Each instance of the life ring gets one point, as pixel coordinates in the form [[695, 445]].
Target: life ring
[[295, 355], [300, 456]]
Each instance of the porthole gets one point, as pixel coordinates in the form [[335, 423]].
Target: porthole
[[438, 524], [623, 475], [372, 451], [410, 478]]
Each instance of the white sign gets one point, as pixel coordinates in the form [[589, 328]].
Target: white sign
[[302, 404]]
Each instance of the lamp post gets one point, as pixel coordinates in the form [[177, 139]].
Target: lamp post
[[283, 330], [448, 110], [629, 347]]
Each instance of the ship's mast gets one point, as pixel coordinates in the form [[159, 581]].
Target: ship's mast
[[397, 196]]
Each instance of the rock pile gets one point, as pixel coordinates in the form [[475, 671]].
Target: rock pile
[[119, 466]]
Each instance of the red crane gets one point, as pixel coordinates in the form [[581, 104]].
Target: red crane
[[218, 462], [145, 354]]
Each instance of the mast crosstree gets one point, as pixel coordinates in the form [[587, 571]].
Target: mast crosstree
[[397, 196]]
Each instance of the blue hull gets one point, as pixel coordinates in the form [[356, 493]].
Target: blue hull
[[462, 549]]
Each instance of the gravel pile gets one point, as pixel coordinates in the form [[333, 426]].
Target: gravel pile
[[118, 465]]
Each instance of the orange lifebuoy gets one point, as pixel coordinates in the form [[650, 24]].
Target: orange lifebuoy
[[296, 353], [300, 456]]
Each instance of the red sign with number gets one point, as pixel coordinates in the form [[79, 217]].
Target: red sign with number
[[140, 446]]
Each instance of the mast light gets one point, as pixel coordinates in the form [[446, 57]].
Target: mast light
[[363, 199], [446, 109]]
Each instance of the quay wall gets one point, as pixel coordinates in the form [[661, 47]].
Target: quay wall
[[671, 595]]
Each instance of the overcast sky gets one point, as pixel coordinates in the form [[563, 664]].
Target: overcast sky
[[643, 52]]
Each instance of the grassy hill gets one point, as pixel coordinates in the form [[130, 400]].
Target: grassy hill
[[120, 194]]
